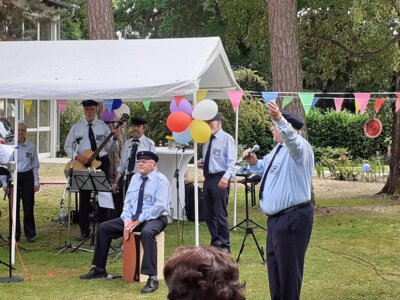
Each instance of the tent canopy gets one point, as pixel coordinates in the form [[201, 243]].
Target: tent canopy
[[106, 69]]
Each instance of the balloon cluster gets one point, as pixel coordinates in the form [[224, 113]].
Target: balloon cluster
[[187, 122], [113, 110]]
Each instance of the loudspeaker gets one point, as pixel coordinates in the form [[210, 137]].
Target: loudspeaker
[[189, 202]]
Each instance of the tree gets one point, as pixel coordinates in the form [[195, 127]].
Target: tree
[[285, 53], [101, 20]]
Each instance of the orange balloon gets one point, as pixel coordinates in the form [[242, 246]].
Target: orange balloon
[[178, 121]]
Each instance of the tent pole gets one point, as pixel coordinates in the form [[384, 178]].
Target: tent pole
[[196, 187], [15, 177], [235, 184]]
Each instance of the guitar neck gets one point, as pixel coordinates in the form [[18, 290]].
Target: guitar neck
[[99, 148]]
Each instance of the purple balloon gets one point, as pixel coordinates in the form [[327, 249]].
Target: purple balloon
[[116, 103], [185, 107], [107, 116], [173, 107]]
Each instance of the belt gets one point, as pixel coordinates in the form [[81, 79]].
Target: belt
[[219, 174], [290, 209]]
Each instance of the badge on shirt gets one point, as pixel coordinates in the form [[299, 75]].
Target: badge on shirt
[[147, 198], [100, 137], [216, 152], [29, 154]]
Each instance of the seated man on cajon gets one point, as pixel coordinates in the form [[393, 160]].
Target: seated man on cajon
[[145, 210]]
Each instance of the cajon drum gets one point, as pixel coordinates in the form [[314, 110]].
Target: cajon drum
[[132, 257]]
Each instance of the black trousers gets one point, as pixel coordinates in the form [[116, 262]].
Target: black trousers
[[114, 229], [216, 213], [26, 193], [84, 202], [287, 242], [119, 197]]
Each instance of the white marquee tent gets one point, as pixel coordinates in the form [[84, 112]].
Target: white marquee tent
[[106, 69]]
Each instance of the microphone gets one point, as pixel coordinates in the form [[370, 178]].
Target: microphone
[[255, 149], [78, 139]]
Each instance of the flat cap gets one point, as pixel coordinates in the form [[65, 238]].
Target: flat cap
[[147, 155], [216, 118], [138, 121], [293, 119], [89, 102]]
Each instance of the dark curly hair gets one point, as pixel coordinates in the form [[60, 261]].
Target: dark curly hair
[[202, 273]]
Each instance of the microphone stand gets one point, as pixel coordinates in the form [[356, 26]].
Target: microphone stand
[[176, 176], [68, 242]]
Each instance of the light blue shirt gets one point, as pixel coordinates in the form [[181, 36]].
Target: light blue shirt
[[157, 196], [81, 129], [290, 177], [223, 154], [145, 144], [27, 160]]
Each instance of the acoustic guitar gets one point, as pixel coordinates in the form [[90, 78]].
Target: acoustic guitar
[[92, 163]]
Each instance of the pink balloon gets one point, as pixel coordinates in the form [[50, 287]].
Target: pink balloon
[[108, 116]]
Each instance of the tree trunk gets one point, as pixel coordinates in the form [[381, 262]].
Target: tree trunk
[[101, 20]]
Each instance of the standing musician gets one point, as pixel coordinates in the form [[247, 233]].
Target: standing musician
[[90, 133], [127, 165]]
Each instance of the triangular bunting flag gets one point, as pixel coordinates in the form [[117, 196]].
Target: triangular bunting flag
[[398, 102], [315, 100], [286, 100], [269, 96], [178, 99], [338, 103], [146, 103], [378, 104], [306, 99], [357, 107], [362, 100], [108, 103], [235, 97], [28, 105], [201, 95], [62, 104]]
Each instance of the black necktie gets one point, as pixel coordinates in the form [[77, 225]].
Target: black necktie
[[266, 172], [132, 157], [140, 199], [206, 166], [91, 138]]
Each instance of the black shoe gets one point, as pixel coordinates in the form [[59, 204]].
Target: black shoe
[[94, 273], [31, 239], [151, 286], [82, 236]]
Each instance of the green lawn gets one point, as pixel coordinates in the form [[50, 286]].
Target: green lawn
[[353, 254]]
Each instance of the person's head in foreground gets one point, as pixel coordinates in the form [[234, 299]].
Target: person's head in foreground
[[202, 273]]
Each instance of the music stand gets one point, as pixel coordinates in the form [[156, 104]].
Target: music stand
[[247, 221], [94, 181]]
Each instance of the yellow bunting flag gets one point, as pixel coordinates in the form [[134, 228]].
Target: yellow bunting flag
[[28, 106], [201, 95]]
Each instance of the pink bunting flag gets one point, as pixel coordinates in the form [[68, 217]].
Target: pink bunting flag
[[62, 105], [362, 100], [338, 104], [378, 104], [178, 99], [398, 102], [235, 97]]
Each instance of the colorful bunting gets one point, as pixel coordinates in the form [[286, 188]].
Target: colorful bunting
[[235, 97], [201, 95], [306, 99], [338, 104], [269, 96], [378, 104], [315, 100], [108, 103], [362, 100], [178, 99], [286, 100], [357, 107], [28, 106], [398, 102], [146, 103], [62, 104]]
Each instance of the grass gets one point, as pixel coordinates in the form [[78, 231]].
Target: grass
[[352, 255]]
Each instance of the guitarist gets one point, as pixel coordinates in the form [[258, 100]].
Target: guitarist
[[90, 133], [127, 165]]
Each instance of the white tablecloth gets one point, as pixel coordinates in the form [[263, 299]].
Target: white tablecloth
[[170, 160]]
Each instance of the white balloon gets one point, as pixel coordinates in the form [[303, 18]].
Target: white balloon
[[205, 110], [124, 109]]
